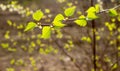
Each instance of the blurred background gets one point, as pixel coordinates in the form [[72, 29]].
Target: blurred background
[[68, 49]]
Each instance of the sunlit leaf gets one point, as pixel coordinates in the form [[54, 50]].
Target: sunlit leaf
[[58, 24], [91, 9], [81, 22], [58, 21], [30, 26], [59, 17], [46, 32], [82, 17], [92, 15], [37, 15], [112, 12], [97, 7], [70, 11]]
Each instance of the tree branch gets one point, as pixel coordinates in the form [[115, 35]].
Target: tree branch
[[106, 10]]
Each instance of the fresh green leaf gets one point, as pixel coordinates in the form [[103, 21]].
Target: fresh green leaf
[[46, 32], [112, 12], [82, 17], [37, 15], [58, 21], [81, 22], [70, 11], [97, 7], [30, 26], [59, 17], [91, 9], [58, 24], [92, 15]]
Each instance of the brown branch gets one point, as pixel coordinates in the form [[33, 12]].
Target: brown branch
[[71, 20], [94, 40]]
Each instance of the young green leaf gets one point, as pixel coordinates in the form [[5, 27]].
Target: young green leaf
[[91, 9], [58, 21], [59, 17], [37, 15], [46, 32], [30, 26], [82, 17], [82, 23], [92, 15], [58, 24], [97, 7], [70, 11], [112, 12]]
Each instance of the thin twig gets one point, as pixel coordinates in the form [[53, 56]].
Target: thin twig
[[72, 19], [71, 58], [106, 10]]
